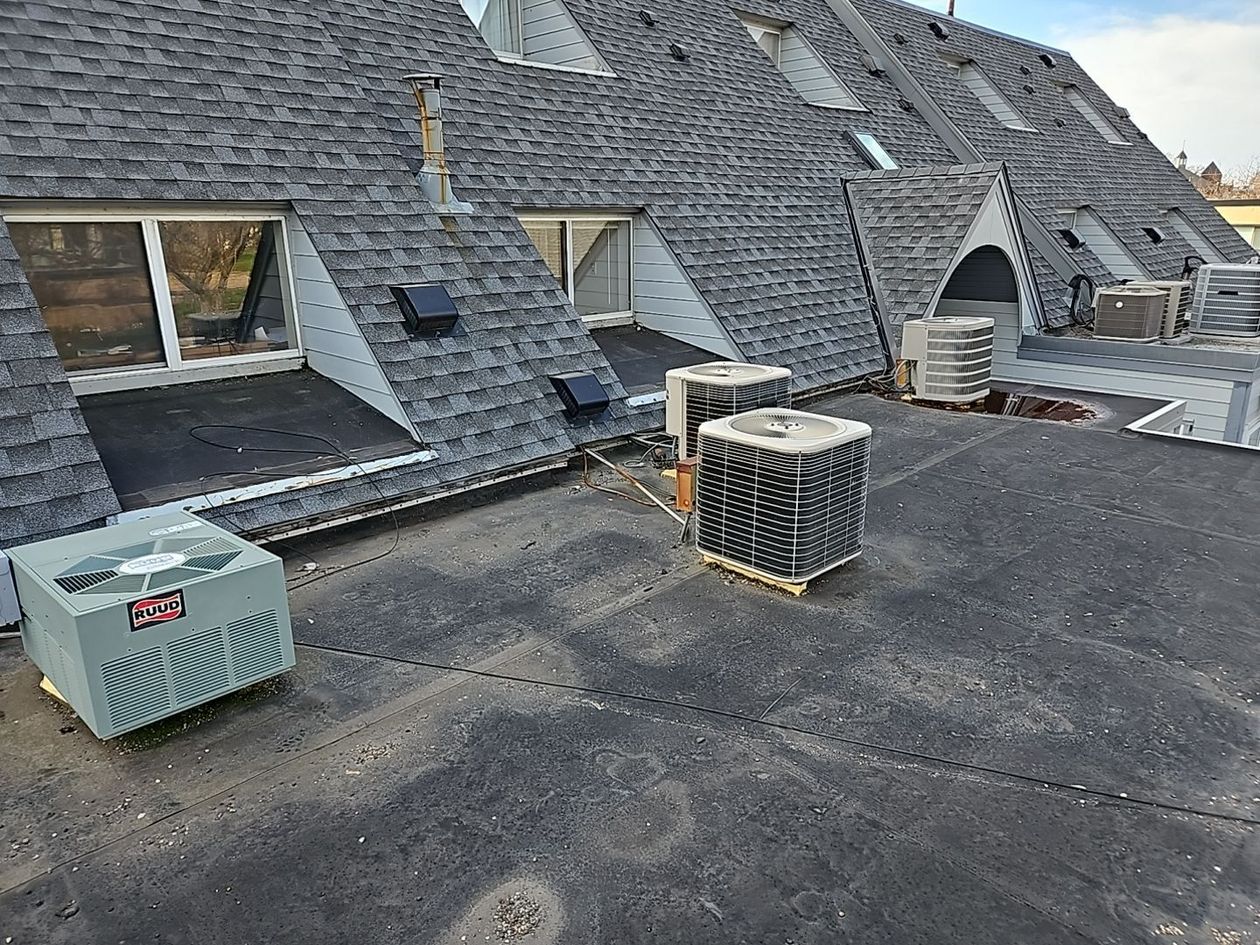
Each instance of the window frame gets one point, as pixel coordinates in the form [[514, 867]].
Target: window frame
[[177, 370], [751, 24], [568, 219]]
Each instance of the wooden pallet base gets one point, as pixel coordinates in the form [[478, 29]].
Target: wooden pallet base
[[796, 590], [46, 684]]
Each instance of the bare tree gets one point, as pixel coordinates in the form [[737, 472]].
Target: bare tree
[[201, 256]]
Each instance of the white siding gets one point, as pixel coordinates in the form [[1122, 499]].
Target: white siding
[[1207, 399], [809, 75], [550, 35], [666, 301], [333, 343], [978, 84], [1106, 129], [1190, 233], [1105, 246]]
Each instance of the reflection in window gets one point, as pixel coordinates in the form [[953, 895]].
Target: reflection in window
[[224, 281], [157, 293], [499, 22], [92, 283], [873, 151], [590, 258], [601, 267], [550, 239]]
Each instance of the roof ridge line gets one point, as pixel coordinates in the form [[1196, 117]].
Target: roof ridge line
[[982, 28]]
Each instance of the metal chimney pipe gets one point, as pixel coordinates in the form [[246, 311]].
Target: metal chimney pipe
[[951, 7], [435, 178]]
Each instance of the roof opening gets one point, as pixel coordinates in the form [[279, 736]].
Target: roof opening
[[1105, 128], [800, 64], [979, 85]]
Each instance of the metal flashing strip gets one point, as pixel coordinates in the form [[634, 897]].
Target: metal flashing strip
[[228, 497], [1177, 360], [643, 400]]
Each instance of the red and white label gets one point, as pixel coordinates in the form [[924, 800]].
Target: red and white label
[[155, 610]]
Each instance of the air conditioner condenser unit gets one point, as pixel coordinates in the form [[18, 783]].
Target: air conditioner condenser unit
[[1227, 300], [1129, 313], [951, 357], [703, 392], [138, 621], [781, 494], [1175, 323]]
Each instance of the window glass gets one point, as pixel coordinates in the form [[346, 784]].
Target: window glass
[[499, 22], [225, 286], [92, 283], [548, 236], [767, 39], [601, 266], [874, 151]]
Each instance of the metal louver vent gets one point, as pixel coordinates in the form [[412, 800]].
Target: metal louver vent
[[77, 583], [199, 666], [256, 646], [782, 492], [135, 688], [1227, 300]]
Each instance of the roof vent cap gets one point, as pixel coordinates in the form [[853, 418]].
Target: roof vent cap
[[1072, 236], [1155, 233], [938, 30], [873, 64], [900, 39], [427, 309], [1025, 70], [678, 52], [647, 18], [1060, 122], [583, 396], [1049, 60]]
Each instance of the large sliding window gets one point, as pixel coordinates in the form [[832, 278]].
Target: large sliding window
[[590, 258], [155, 294]]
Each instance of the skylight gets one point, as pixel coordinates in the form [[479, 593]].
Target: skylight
[[1106, 129], [873, 151], [792, 54], [979, 85]]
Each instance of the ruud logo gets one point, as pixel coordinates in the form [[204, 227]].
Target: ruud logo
[[151, 610]]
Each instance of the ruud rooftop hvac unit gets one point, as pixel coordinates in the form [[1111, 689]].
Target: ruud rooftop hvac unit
[[135, 622], [1227, 300], [694, 395], [952, 357], [1176, 318], [1129, 313], [782, 493]]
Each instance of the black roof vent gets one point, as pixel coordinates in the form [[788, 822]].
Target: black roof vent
[[647, 18], [1072, 237], [1060, 122], [1049, 60], [1122, 112], [906, 104], [938, 31], [1155, 233], [873, 64], [678, 52], [427, 309], [583, 396], [1029, 89], [900, 39], [1025, 70]]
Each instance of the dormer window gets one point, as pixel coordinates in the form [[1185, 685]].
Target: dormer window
[[800, 64], [534, 32], [979, 85], [1109, 132]]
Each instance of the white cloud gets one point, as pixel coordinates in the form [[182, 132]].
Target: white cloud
[[1189, 82]]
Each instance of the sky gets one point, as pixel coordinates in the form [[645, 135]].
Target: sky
[[1188, 71]]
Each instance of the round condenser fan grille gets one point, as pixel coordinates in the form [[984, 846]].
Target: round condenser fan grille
[[787, 426], [730, 370]]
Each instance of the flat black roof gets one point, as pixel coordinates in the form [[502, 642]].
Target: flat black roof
[[543, 713], [156, 443], [640, 357]]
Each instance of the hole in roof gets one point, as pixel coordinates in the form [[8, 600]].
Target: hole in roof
[[1003, 404]]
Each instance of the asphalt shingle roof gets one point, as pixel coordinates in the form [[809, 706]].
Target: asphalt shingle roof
[[913, 223]]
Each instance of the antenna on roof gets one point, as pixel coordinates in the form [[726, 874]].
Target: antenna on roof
[[950, 11], [435, 178]]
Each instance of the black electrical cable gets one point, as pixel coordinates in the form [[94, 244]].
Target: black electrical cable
[[795, 730], [333, 450]]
